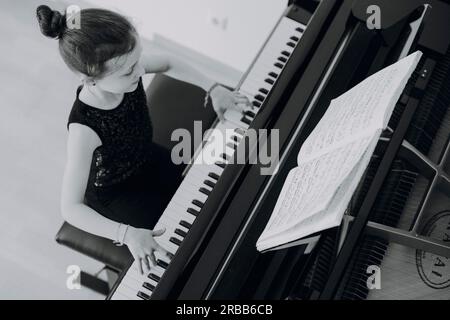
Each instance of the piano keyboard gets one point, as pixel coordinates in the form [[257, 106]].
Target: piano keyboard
[[201, 178]]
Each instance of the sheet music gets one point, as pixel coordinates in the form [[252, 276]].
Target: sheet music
[[311, 186], [361, 110], [333, 159], [328, 217]]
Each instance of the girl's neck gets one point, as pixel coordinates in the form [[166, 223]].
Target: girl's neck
[[98, 98]]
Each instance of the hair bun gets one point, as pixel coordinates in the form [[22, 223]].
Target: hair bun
[[51, 22]]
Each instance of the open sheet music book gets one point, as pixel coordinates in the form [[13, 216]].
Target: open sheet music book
[[334, 157]]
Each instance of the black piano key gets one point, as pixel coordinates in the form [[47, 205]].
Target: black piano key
[[294, 38], [250, 114], [143, 295], [239, 131], [263, 91], [285, 53], [193, 211], [170, 255], [209, 183], [149, 286], [235, 138], [291, 44], [273, 75], [154, 277], [175, 241], [269, 81], [259, 97], [231, 145], [225, 157], [162, 263], [278, 65], [213, 175], [185, 224], [220, 164], [205, 191], [197, 203], [256, 104], [180, 233], [300, 29], [282, 59], [246, 120]]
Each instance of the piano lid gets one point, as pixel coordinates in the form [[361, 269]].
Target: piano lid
[[248, 274]]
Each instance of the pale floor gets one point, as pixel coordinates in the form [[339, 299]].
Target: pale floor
[[36, 93]]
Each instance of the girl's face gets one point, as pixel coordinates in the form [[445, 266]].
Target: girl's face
[[123, 72]]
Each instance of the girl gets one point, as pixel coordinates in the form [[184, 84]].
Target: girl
[[117, 182]]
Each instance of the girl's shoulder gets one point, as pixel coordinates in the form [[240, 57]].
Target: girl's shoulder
[[84, 110], [78, 113], [83, 136], [80, 122]]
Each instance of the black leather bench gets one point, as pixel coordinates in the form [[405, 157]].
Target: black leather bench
[[172, 104]]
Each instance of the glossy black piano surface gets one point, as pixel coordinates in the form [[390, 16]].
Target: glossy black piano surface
[[398, 220]]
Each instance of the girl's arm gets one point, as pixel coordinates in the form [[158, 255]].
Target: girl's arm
[[81, 144], [178, 68], [80, 147]]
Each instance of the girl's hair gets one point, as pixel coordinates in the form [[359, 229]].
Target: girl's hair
[[102, 35]]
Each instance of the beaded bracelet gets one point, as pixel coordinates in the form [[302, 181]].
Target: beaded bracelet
[[208, 93]]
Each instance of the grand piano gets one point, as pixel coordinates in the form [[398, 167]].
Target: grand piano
[[398, 220]]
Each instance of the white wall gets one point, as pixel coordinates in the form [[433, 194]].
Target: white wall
[[197, 24]]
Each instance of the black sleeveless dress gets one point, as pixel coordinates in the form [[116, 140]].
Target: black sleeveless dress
[[131, 179]]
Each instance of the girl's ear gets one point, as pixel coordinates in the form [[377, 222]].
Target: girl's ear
[[87, 80]]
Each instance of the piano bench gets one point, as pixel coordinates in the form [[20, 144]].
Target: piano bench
[[114, 258]]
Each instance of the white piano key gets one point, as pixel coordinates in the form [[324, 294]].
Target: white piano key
[[196, 194], [173, 221], [133, 278], [164, 242], [172, 225], [209, 168], [269, 64], [192, 184], [184, 200], [235, 117], [180, 211], [259, 81], [118, 296], [159, 255], [262, 67], [196, 178], [183, 203], [252, 85], [136, 285], [251, 89], [128, 292], [177, 214]]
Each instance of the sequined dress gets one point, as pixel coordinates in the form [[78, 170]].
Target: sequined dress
[[131, 179]]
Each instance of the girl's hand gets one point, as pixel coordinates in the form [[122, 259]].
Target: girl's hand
[[224, 99], [142, 246]]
